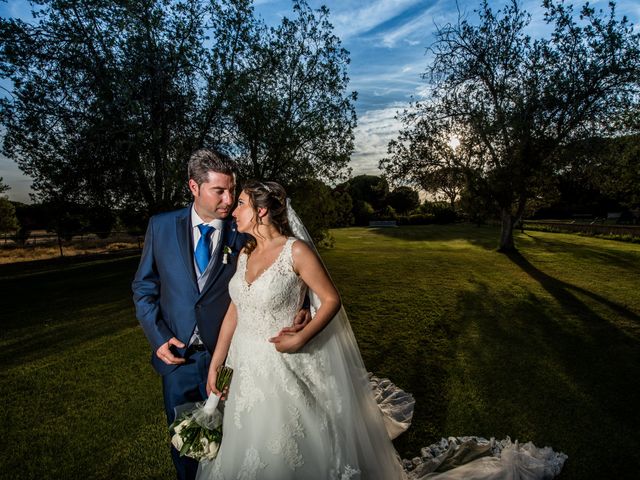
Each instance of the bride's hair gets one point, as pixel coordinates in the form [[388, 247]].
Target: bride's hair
[[272, 196]]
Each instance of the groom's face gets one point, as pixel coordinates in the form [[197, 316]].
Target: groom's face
[[214, 198]]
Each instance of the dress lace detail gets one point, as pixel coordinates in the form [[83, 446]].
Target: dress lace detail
[[349, 473], [251, 465], [250, 392], [285, 442]]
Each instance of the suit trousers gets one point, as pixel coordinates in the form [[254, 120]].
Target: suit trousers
[[185, 384]]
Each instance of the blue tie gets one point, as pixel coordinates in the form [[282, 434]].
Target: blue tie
[[203, 250]]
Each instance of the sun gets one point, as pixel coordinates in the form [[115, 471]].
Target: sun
[[454, 142]]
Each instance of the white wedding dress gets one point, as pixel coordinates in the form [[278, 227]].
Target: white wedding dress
[[311, 415], [293, 416]]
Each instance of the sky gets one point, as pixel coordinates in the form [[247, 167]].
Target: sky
[[387, 41]]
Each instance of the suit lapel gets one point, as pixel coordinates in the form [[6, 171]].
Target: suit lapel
[[185, 242]]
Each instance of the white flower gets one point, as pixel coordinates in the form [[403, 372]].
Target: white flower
[[177, 441], [213, 449], [181, 425]]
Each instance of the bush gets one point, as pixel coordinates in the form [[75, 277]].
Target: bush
[[416, 219], [403, 200], [362, 212], [22, 235], [385, 214], [317, 207], [8, 219], [101, 221], [442, 213]]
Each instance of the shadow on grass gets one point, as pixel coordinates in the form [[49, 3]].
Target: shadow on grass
[[629, 260], [562, 291], [51, 309], [55, 265], [556, 375], [425, 375], [484, 236], [401, 340]]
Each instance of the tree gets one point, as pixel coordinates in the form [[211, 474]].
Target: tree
[[613, 166], [519, 101], [403, 199], [315, 204], [430, 156], [3, 187], [602, 175], [292, 114], [372, 189], [104, 99], [8, 219], [344, 206], [110, 97], [368, 194]]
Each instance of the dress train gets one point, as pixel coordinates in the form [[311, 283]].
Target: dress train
[[463, 458]]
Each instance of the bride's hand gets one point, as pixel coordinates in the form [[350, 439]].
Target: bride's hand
[[287, 342], [211, 383]]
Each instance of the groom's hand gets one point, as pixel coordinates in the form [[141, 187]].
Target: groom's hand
[[287, 342], [165, 354], [302, 320]]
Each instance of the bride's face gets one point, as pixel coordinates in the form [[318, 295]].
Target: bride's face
[[244, 214]]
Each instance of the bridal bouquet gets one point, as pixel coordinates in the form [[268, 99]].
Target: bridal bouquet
[[197, 431]]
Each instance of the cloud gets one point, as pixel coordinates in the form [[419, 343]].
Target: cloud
[[422, 25], [352, 20], [375, 129], [399, 77]]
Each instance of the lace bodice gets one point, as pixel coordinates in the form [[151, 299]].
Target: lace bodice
[[271, 302]]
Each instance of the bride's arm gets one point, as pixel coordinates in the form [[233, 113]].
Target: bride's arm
[[311, 270], [222, 347]]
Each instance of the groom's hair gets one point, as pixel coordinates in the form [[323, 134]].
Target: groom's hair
[[204, 160]]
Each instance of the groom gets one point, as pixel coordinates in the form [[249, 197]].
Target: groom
[[180, 289]]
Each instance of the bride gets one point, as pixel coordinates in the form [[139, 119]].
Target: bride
[[300, 405]]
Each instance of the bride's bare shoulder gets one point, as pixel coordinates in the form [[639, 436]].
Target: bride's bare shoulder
[[301, 252], [300, 246]]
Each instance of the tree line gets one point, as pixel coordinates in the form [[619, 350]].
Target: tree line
[[353, 202]]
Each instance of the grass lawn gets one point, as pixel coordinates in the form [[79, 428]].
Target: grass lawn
[[541, 346]]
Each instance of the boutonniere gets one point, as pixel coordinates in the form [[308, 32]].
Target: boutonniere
[[226, 251]]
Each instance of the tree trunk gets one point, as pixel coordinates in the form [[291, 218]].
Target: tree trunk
[[506, 234], [60, 246]]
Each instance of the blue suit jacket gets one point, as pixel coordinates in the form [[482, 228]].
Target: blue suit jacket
[[165, 289]]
